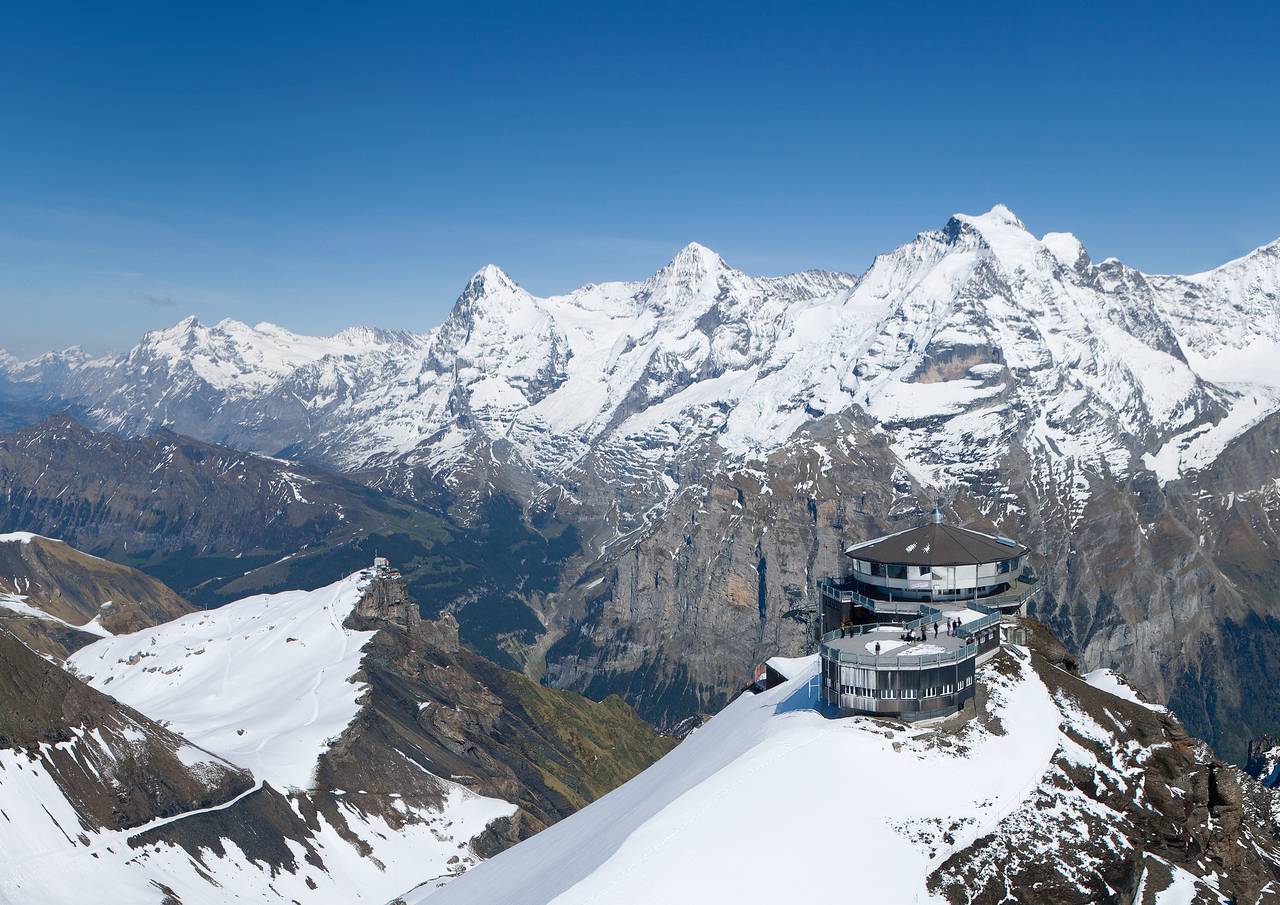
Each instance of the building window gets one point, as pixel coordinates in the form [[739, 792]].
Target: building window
[[897, 572], [877, 569]]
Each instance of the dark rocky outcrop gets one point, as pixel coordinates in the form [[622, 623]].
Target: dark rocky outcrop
[[1263, 763], [1130, 800], [118, 768], [675, 619], [435, 706]]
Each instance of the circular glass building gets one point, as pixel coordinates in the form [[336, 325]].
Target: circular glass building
[[904, 627]]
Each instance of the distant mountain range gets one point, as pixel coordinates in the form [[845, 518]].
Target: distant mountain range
[[219, 524], [712, 439], [979, 318]]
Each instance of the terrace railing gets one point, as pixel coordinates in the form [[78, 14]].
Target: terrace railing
[[889, 660], [1017, 596], [875, 604], [901, 661], [977, 625], [1023, 589], [929, 615]]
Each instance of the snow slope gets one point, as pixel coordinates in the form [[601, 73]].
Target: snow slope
[[770, 775], [41, 862], [17, 603], [1058, 790], [1112, 682], [18, 537], [264, 682]]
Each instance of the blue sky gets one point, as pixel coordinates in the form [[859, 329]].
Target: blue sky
[[318, 165]]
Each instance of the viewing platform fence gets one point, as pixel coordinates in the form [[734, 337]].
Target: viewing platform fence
[[1021, 591], [889, 660]]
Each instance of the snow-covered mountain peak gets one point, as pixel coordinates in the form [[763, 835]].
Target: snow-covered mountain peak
[[1000, 231], [1065, 247], [364, 338], [980, 328], [489, 293], [492, 304], [695, 257], [233, 357], [1231, 309], [1000, 216], [175, 342], [695, 271], [188, 326], [488, 280], [1007, 238], [1263, 256]]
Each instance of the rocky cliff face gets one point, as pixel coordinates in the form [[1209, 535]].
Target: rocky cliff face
[[674, 619], [1263, 763], [1131, 806], [161, 494], [1143, 575], [433, 703]]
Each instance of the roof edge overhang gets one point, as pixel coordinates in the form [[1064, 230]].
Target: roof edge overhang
[[954, 552]]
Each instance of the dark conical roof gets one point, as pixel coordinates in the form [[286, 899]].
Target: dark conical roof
[[937, 544]]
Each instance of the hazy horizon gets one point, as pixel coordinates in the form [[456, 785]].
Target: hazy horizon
[[169, 315]]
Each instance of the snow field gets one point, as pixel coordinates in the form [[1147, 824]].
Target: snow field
[[770, 801], [263, 682]]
